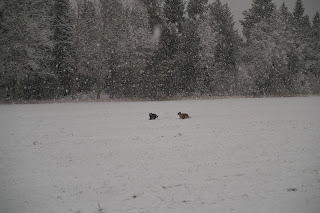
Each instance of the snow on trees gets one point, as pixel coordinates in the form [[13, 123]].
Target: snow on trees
[[155, 49]]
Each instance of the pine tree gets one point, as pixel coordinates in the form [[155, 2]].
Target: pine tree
[[63, 51], [300, 22], [41, 79], [25, 50], [285, 15], [287, 42], [14, 47], [174, 11], [196, 8], [124, 45], [299, 51], [265, 63], [86, 40], [314, 54], [281, 38], [316, 23], [112, 30], [152, 71], [163, 64], [188, 57], [298, 10], [139, 45], [227, 48], [154, 11], [260, 10], [257, 60], [205, 69]]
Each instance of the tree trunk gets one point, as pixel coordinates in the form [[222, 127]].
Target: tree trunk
[[100, 58], [99, 80], [77, 49], [76, 68], [17, 85], [99, 77]]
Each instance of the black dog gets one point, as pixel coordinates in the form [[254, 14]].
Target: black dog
[[152, 116]]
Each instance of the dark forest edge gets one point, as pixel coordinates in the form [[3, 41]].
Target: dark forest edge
[[61, 51], [107, 99]]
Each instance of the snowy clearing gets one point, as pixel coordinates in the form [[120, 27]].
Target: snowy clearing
[[233, 155]]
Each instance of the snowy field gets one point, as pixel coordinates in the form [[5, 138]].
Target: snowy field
[[233, 155]]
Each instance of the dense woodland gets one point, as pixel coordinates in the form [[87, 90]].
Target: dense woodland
[[155, 49]]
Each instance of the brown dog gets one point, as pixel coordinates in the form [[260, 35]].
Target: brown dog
[[183, 115]]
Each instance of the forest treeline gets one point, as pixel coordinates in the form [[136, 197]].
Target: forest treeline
[[155, 49]]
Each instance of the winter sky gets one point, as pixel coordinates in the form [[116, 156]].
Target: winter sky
[[238, 6]]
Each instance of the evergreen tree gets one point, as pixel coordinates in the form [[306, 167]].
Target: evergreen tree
[[299, 48], [205, 71], [314, 54], [298, 10], [316, 22], [188, 57], [139, 45], [25, 50], [152, 84], [265, 59], [154, 11], [163, 65], [14, 47], [41, 79], [112, 46], [285, 15], [300, 21], [223, 24], [86, 40], [281, 38], [126, 45], [286, 31], [63, 51], [227, 48], [196, 8], [258, 60], [260, 10], [174, 11]]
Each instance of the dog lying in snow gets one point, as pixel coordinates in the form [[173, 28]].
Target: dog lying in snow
[[183, 115], [152, 116]]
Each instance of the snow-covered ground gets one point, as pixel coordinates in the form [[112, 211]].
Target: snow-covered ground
[[233, 155]]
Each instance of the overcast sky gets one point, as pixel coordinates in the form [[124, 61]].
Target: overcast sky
[[238, 6]]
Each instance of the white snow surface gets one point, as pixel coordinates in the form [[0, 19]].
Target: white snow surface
[[233, 155]]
